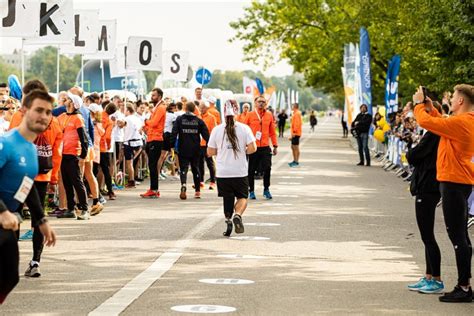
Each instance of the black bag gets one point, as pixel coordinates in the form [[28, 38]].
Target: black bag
[[45, 154]]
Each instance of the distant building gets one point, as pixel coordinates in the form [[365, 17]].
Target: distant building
[[14, 59]]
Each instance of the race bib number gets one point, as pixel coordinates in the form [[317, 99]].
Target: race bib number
[[24, 190], [258, 135]]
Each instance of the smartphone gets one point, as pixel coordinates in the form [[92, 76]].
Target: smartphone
[[425, 93]]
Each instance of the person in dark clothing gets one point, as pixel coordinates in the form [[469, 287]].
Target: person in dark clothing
[[362, 126], [282, 117], [313, 121], [425, 188], [345, 130], [189, 128]]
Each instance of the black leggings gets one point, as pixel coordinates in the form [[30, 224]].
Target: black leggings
[[9, 261], [262, 157], [425, 217], [72, 180], [184, 163], [154, 153], [209, 163], [455, 197], [38, 238], [104, 166], [228, 206]]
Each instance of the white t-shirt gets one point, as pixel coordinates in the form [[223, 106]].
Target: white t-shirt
[[4, 125], [117, 132], [132, 131], [228, 164], [179, 113], [170, 118]]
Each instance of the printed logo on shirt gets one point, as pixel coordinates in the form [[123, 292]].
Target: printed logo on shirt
[[22, 162]]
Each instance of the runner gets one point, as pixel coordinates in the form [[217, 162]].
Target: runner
[[213, 110], [18, 168], [133, 142], [189, 128], [231, 142], [361, 124], [211, 123], [75, 147], [245, 112], [282, 117], [154, 128], [263, 127], [313, 121], [170, 118], [455, 172], [296, 131]]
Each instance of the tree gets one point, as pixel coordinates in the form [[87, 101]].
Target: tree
[[434, 37], [7, 70]]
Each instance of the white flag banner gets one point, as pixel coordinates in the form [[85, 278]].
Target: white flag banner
[[249, 85], [145, 53], [86, 28], [107, 40], [175, 65], [16, 18], [56, 23]]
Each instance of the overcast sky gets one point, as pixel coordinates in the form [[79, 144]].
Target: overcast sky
[[201, 27]]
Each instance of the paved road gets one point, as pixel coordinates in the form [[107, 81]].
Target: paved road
[[337, 239]]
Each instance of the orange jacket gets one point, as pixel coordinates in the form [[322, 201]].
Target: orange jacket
[[262, 122], [105, 140], [242, 117], [456, 146], [16, 119], [212, 110], [296, 123], [54, 136], [156, 124], [210, 122]]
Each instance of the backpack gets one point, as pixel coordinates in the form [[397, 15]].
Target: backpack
[[45, 154]]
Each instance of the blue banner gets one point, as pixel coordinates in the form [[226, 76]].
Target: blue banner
[[391, 85], [260, 87], [365, 76]]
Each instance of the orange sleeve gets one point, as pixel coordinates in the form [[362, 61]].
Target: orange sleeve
[[450, 127], [156, 117], [16, 120], [273, 134], [57, 151]]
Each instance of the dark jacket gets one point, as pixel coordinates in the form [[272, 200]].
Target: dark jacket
[[423, 158], [365, 120], [189, 128]]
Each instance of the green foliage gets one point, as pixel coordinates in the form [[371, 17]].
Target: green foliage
[[7, 70], [434, 37]]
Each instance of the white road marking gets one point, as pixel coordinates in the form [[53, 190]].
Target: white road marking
[[235, 256], [226, 281], [249, 238], [203, 309], [262, 224]]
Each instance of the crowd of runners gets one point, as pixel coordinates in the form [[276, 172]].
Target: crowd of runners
[[67, 157]]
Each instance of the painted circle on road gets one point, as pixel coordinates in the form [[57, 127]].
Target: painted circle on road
[[249, 238], [226, 281], [262, 224], [273, 213], [203, 309], [235, 256]]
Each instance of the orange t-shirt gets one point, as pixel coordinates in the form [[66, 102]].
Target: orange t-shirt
[[70, 124], [456, 146], [54, 136], [262, 123], [156, 124], [105, 140], [16, 119], [242, 117], [212, 110], [296, 123], [210, 122]]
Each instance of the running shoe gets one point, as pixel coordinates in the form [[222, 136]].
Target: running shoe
[[207, 181], [470, 221], [229, 228], [212, 186], [26, 236], [201, 185], [252, 195], [130, 185], [67, 214], [267, 194], [85, 215], [102, 200], [418, 285], [112, 196], [182, 194], [432, 287], [458, 295], [150, 194], [96, 209], [291, 164], [57, 211], [197, 195], [33, 271], [239, 226]]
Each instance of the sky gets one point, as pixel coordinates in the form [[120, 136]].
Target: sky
[[201, 27]]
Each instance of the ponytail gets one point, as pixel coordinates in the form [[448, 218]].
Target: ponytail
[[231, 136]]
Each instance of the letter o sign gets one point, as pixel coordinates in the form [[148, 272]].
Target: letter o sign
[[144, 53], [145, 45]]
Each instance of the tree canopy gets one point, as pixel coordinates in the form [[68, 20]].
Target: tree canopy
[[434, 37]]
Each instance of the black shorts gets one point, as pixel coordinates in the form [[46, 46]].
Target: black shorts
[[233, 187], [166, 142], [130, 151], [295, 140]]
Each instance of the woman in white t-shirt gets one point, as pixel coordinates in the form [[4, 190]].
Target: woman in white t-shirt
[[231, 142]]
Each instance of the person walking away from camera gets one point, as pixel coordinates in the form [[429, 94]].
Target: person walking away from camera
[[18, 167], [425, 188], [231, 142], [189, 128], [282, 117], [262, 124], [132, 142], [345, 130], [296, 131], [211, 123], [362, 125], [455, 172], [313, 121]]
